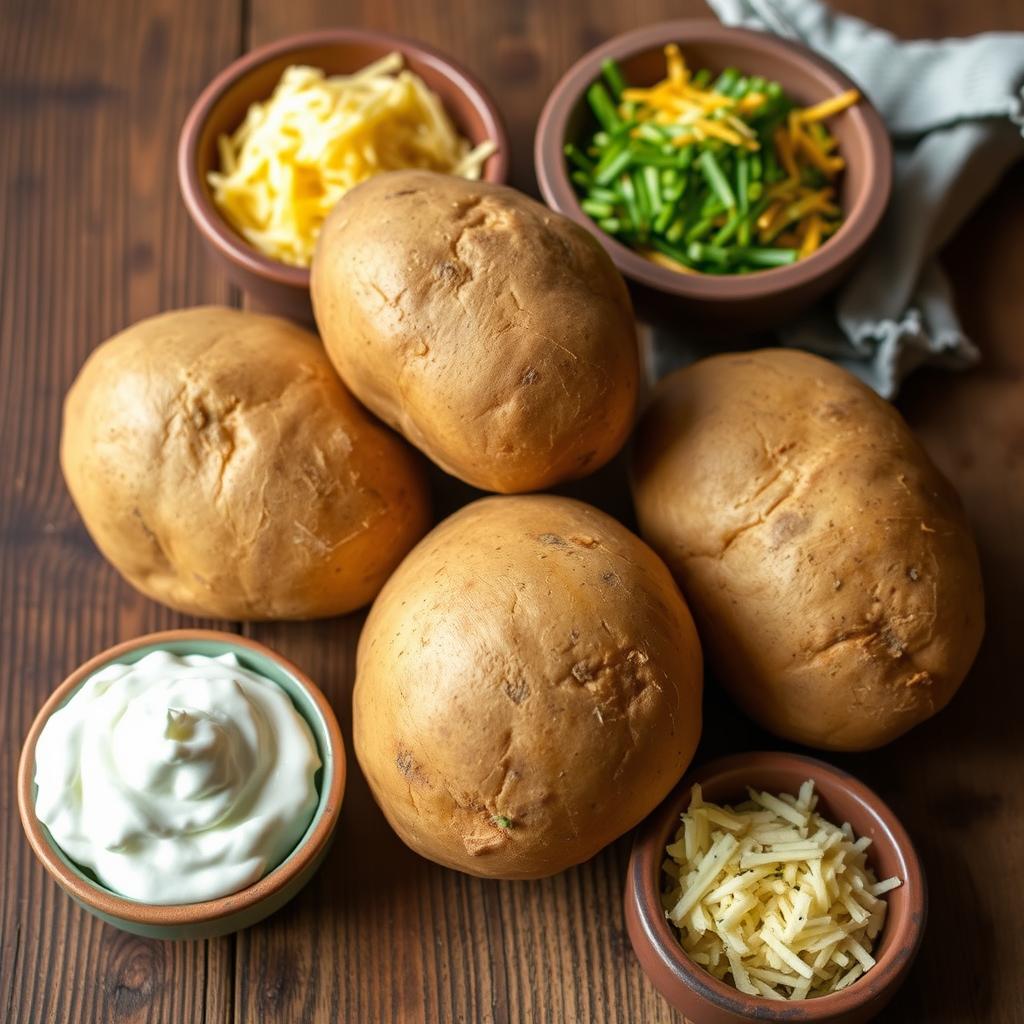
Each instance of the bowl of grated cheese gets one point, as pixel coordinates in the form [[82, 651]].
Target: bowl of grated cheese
[[772, 886], [281, 134]]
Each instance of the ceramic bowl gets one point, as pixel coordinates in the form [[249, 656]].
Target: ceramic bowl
[[757, 299], [272, 286], [228, 913], [704, 999]]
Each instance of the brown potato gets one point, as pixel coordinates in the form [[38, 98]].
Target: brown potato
[[496, 335], [223, 469], [528, 687], [829, 564]]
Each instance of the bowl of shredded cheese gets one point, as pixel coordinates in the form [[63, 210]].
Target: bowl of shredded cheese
[[735, 173], [279, 136], [772, 886]]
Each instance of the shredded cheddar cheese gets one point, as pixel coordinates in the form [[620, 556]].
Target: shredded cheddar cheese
[[772, 896], [294, 156]]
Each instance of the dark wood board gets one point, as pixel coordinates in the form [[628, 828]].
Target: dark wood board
[[93, 236]]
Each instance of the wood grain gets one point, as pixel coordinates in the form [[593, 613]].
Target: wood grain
[[93, 236]]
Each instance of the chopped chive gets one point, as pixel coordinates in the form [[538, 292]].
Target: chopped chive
[[671, 251], [613, 76], [576, 157], [610, 224], [726, 80], [650, 133], [740, 89], [743, 182], [653, 183], [664, 218], [675, 230], [597, 209], [643, 200], [699, 252], [701, 78], [728, 229], [758, 257], [629, 197], [700, 229], [602, 106], [615, 160], [716, 179], [581, 179]]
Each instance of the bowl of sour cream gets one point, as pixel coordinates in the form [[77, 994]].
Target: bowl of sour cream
[[183, 784]]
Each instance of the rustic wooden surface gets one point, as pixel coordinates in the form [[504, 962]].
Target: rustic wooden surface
[[93, 236]]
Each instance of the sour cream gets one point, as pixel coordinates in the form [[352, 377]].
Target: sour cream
[[177, 779]]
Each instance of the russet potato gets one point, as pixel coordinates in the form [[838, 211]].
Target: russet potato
[[495, 334], [222, 467], [828, 563], [528, 687]]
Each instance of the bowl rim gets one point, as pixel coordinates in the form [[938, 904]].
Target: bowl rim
[[558, 192], [212, 224], [643, 875], [110, 904]]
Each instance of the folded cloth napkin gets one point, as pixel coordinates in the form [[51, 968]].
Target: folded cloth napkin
[[955, 110]]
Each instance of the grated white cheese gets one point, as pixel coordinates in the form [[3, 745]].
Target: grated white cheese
[[772, 897], [316, 137]]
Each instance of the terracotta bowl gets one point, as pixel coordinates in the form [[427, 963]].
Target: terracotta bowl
[[704, 999], [762, 298], [228, 913], [275, 287]]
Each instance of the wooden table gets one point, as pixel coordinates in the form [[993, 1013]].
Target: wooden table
[[94, 237]]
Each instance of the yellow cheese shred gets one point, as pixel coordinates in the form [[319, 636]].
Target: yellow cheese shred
[[773, 897], [317, 136]]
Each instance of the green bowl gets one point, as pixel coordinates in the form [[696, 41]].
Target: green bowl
[[237, 910]]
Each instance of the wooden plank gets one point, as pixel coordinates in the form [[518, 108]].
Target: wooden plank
[[93, 237]]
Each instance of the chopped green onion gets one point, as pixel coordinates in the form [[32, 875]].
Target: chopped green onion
[[613, 76], [574, 156], [653, 184], [716, 179], [614, 161], [767, 257], [743, 182], [726, 80], [597, 209], [602, 106]]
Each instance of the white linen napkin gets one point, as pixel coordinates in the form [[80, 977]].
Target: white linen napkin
[[955, 110]]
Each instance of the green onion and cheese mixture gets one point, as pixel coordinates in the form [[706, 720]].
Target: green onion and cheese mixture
[[704, 174]]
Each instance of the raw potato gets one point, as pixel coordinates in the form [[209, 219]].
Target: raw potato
[[223, 469], [528, 687], [828, 563], [494, 334]]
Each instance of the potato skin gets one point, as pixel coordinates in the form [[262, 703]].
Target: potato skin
[[533, 663], [495, 335], [223, 469], [828, 563]]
